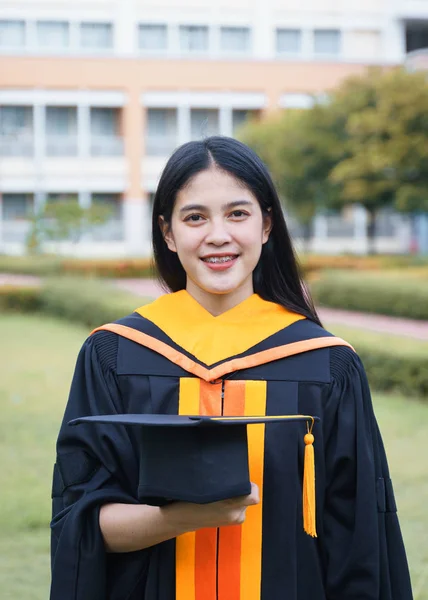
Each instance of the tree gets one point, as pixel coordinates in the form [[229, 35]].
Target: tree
[[386, 161], [367, 143], [64, 220], [299, 147]]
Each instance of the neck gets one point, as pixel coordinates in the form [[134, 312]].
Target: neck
[[216, 304]]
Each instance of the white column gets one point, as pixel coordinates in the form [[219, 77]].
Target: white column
[[126, 27], [31, 34], [320, 226], [83, 130], [360, 229], [307, 43], [174, 40], [85, 199], [39, 135], [39, 200], [226, 121], [184, 130], [74, 38], [1, 219], [135, 234]]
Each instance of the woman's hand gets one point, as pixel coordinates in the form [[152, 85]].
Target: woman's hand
[[131, 527], [189, 516]]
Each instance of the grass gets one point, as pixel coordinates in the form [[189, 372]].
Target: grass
[[40, 355]]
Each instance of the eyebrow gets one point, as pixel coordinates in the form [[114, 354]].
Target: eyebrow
[[229, 205]]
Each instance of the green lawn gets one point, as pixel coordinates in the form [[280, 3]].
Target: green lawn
[[38, 356]]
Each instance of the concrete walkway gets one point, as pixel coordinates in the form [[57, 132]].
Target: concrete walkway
[[380, 323]]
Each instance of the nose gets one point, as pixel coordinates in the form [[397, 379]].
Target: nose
[[218, 233]]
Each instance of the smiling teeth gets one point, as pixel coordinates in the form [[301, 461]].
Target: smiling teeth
[[218, 259]]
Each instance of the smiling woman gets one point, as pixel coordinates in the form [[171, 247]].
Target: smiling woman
[[237, 337], [218, 241]]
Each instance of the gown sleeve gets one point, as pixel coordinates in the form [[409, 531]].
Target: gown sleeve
[[361, 538], [95, 465]]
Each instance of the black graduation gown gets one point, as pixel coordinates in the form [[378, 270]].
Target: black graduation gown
[[358, 553]]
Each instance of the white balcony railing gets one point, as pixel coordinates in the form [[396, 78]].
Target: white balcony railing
[[106, 146], [61, 145], [13, 145], [160, 145], [15, 231]]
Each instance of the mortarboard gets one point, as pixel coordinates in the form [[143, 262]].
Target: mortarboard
[[203, 459]]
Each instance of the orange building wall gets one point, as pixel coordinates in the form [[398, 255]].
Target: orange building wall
[[134, 76]]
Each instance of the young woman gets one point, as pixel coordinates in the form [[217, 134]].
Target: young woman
[[218, 345]]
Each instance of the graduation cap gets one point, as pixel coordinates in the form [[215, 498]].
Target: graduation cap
[[203, 459]]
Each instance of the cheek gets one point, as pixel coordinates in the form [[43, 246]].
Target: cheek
[[187, 239]]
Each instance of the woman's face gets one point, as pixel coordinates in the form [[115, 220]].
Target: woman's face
[[217, 229]]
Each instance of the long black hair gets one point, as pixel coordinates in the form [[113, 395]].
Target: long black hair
[[277, 275]]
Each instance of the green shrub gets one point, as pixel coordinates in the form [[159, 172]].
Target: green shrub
[[90, 302], [20, 299], [389, 372], [30, 265], [372, 293], [50, 265]]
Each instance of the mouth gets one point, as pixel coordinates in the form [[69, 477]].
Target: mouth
[[220, 262], [219, 258]]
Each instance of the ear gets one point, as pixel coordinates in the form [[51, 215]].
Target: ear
[[267, 225], [167, 234]]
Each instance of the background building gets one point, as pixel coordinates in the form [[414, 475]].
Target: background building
[[95, 95]]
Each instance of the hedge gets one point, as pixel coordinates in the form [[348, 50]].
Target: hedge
[[89, 302], [372, 293], [52, 265], [94, 303], [47, 265]]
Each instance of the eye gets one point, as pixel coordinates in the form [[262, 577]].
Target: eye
[[238, 214], [193, 219]]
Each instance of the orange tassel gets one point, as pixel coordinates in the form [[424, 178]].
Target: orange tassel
[[309, 507]]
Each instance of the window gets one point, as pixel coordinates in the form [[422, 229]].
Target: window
[[105, 138], [288, 41], [61, 131], [193, 38], [16, 120], [203, 123], [16, 131], [152, 37], [12, 34], [104, 121], [53, 34], [235, 39], [96, 35], [416, 35], [61, 120], [161, 136], [17, 206], [110, 227], [327, 41]]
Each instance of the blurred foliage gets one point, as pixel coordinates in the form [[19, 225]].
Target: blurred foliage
[[366, 143], [373, 292], [88, 302], [44, 265], [92, 303], [64, 220]]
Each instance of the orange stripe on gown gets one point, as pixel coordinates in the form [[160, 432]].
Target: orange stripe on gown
[[196, 552], [229, 559], [206, 539]]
